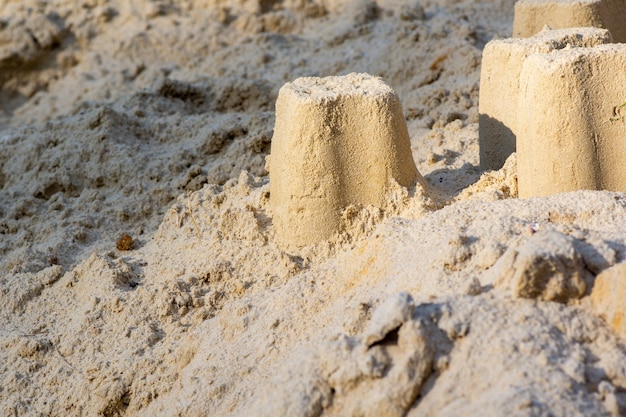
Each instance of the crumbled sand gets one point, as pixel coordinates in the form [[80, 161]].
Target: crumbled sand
[[153, 119]]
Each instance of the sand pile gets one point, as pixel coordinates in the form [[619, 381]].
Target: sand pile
[[154, 119]]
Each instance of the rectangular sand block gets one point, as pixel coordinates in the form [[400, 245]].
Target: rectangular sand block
[[499, 85], [572, 121], [532, 15]]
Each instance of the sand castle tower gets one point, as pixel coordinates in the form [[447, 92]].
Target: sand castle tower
[[572, 118], [532, 15], [565, 114], [500, 86], [337, 141]]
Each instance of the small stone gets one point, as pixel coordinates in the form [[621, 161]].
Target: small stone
[[474, 287], [125, 242]]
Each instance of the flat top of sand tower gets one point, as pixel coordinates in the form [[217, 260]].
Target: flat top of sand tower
[[315, 88], [554, 60], [561, 38]]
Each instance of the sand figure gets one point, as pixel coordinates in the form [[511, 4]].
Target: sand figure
[[500, 87], [532, 15], [338, 141]]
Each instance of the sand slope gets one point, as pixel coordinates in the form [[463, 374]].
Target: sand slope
[[153, 118]]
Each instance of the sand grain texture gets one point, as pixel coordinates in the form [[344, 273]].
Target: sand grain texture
[[154, 118]]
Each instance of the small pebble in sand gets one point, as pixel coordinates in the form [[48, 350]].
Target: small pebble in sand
[[125, 242]]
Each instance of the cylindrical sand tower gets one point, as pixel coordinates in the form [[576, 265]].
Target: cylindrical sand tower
[[572, 121], [500, 85], [337, 141]]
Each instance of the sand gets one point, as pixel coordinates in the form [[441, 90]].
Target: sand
[[153, 119]]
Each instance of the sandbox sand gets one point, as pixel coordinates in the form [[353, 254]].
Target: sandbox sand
[[153, 118]]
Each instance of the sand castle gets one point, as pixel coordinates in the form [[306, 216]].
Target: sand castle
[[338, 141], [557, 97], [532, 15], [572, 126], [563, 113], [500, 86]]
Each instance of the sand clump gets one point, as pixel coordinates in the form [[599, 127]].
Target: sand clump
[[607, 291], [363, 376], [546, 267], [154, 118]]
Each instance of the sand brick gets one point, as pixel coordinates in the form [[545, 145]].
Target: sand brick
[[608, 295], [499, 86], [532, 15], [572, 130], [337, 141]]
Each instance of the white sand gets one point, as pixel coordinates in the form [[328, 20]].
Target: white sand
[[139, 117]]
